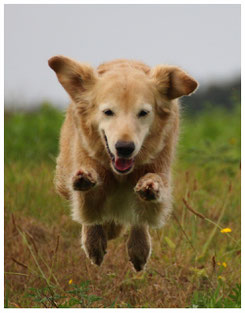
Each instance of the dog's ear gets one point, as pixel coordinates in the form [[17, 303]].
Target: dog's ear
[[75, 77], [172, 81]]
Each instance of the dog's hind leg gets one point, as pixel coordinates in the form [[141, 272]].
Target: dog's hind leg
[[113, 230], [139, 246], [94, 242]]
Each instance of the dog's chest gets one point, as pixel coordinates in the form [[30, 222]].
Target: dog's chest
[[120, 204]]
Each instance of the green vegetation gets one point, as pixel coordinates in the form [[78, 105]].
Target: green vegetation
[[215, 299], [193, 263]]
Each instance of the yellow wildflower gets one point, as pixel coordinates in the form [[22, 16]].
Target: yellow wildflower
[[221, 277], [224, 264], [70, 281], [218, 263], [225, 230], [232, 141]]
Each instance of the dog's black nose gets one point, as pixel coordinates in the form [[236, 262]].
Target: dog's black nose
[[125, 148]]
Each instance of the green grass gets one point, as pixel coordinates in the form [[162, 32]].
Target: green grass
[[193, 264], [78, 296], [215, 298], [31, 138]]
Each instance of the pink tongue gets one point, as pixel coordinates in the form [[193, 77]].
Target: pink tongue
[[123, 164]]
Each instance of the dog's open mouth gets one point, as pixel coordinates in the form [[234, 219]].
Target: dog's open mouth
[[121, 165]]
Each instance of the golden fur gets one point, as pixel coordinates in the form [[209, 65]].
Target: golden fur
[[102, 199]]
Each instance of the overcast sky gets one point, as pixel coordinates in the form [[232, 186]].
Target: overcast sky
[[203, 39]]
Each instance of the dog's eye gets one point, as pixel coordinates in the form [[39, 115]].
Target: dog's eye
[[143, 113], [109, 112]]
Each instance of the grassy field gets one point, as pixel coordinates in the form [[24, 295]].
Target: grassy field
[[194, 263]]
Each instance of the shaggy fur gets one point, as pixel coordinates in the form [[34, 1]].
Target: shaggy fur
[[121, 102]]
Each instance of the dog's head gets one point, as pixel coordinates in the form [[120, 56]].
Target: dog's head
[[123, 107]]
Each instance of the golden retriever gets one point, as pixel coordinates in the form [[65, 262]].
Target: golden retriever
[[116, 148]]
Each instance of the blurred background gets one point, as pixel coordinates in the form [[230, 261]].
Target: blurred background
[[203, 39], [195, 261]]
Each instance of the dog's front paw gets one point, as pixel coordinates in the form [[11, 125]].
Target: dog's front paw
[[84, 180], [149, 187]]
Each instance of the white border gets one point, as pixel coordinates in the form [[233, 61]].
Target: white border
[[2, 123], [242, 149], [122, 2], [2, 154]]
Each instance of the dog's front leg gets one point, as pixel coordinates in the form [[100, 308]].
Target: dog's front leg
[[150, 187], [154, 199], [94, 242], [139, 246], [85, 179]]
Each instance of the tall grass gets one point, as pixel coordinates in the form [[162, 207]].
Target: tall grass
[[193, 263]]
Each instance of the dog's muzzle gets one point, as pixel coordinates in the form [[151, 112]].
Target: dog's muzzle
[[122, 164]]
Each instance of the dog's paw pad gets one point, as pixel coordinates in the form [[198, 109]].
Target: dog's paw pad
[[83, 181], [148, 190]]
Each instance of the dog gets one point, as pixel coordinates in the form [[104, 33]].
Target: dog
[[117, 145]]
